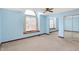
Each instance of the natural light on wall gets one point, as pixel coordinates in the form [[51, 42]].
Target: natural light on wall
[[29, 12]]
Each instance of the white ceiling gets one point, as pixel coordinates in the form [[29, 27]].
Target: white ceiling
[[23, 9], [56, 10]]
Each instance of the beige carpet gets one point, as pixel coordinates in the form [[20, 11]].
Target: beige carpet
[[42, 43]]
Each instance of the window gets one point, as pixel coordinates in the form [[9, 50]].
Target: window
[[52, 22], [31, 23]]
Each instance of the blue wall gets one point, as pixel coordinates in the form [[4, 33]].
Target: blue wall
[[47, 25], [43, 24], [0, 27], [13, 25]]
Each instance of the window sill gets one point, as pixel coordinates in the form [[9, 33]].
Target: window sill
[[33, 31]]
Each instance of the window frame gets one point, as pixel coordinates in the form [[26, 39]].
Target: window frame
[[54, 23], [32, 31]]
